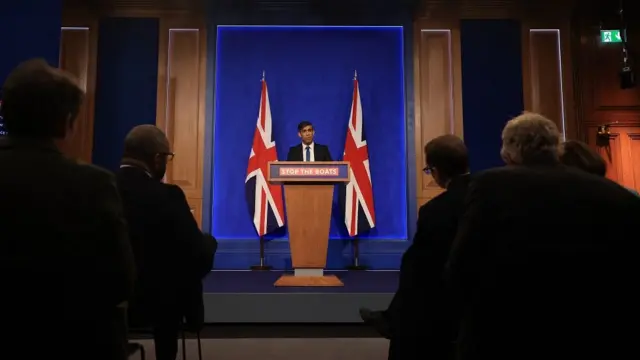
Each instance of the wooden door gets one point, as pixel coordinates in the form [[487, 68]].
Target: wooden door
[[621, 150]]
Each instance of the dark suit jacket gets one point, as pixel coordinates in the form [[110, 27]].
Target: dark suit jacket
[[172, 254], [546, 266], [320, 153], [419, 307], [65, 260]]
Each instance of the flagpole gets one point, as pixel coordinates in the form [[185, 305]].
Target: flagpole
[[263, 264], [355, 244]]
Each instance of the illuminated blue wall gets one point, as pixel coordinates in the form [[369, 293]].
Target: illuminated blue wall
[[309, 73]]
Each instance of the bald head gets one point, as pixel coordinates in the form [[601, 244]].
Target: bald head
[[147, 147], [143, 142]]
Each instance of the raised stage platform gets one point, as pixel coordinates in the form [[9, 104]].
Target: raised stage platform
[[250, 297]]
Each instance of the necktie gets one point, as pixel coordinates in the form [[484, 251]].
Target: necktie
[[307, 155]]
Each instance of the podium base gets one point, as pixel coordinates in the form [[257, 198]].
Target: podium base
[[261, 267], [307, 281], [356, 267]]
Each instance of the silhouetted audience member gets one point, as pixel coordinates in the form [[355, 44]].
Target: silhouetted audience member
[[543, 262], [66, 265], [418, 321], [172, 254], [580, 155]]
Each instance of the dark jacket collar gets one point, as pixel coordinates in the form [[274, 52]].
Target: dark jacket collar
[[460, 180], [540, 165]]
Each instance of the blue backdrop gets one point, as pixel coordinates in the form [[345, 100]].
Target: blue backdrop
[[309, 72], [29, 29], [491, 85], [126, 84], [38, 24]]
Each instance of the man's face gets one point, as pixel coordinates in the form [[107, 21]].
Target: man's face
[[306, 134]]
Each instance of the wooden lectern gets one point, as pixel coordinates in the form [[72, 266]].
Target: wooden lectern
[[308, 193]]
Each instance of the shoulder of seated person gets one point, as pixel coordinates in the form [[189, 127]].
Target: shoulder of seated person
[[498, 171], [172, 189], [93, 171], [490, 176], [432, 204], [437, 203]]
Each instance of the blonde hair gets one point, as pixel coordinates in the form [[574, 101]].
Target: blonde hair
[[530, 139]]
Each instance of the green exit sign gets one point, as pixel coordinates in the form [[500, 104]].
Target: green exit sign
[[610, 36]]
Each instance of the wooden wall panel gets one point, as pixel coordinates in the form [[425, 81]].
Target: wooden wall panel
[[622, 154], [604, 102], [600, 65], [181, 103], [437, 72], [493, 9], [605, 63], [438, 98], [543, 74], [181, 78], [196, 208], [78, 56], [634, 157]]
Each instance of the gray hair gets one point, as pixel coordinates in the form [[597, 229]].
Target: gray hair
[[530, 139]]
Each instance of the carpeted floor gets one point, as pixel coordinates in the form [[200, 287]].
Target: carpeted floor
[[271, 331], [281, 349]]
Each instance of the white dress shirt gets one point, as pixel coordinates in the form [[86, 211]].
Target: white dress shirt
[[135, 167], [304, 152]]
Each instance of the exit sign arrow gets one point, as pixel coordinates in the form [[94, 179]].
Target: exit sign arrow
[[610, 36]]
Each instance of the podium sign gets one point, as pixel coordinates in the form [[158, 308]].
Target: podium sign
[[308, 193], [294, 171]]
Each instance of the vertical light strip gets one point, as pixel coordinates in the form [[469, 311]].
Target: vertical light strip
[[167, 85], [86, 64], [450, 49], [167, 105], [560, 74]]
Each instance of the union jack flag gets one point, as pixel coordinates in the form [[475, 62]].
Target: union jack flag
[[359, 215], [264, 199]]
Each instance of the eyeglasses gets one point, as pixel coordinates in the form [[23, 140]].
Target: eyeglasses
[[427, 170], [169, 155]]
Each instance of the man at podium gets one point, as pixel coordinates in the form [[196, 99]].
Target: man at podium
[[308, 150]]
